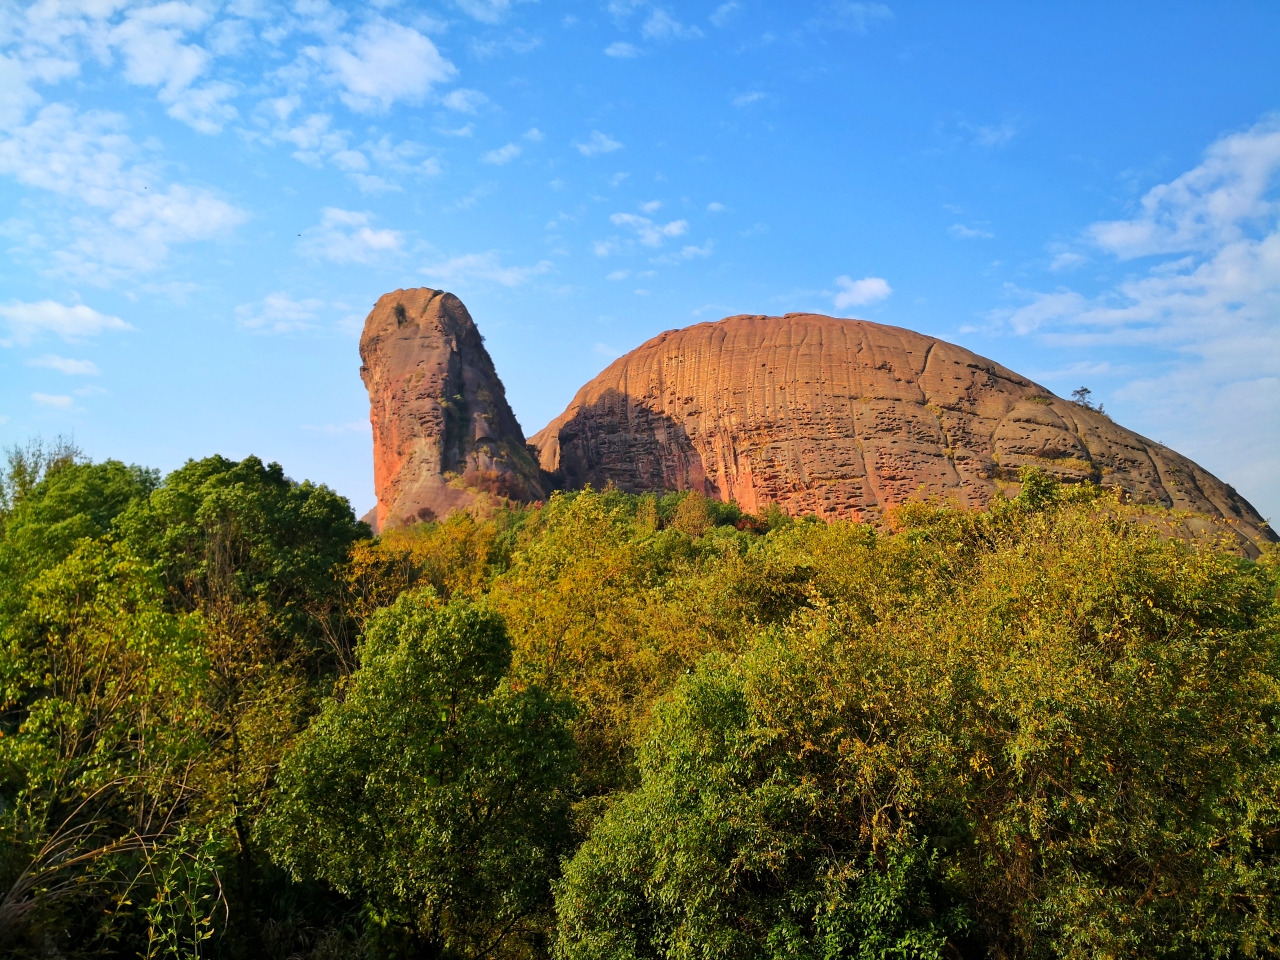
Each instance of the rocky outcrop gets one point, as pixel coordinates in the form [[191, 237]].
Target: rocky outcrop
[[444, 436], [843, 418]]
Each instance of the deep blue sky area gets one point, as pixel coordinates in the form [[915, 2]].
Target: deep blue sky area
[[199, 203]]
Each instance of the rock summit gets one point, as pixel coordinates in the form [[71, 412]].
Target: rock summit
[[839, 418], [444, 435]]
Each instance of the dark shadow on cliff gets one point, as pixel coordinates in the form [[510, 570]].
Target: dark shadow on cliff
[[619, 441]]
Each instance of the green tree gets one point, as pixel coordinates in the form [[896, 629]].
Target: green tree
[[432, 787], [1042, 731]]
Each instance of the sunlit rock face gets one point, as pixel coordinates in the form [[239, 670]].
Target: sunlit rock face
[[843, 418], [444, 437]]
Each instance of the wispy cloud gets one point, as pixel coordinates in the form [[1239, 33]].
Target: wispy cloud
[[857, 293], [127, 217], [661, 25], [647, 232], [71, 323], [486, 11], [1206, 314], [502, 155], [746, 99], [724, 13], [997, 135], [965, 232], [72, 368], [597, 144], [345, 236], [59, 401], [485, 267], [622, 50], [381, 63], [859, 17], [279, 313], [464, 101]]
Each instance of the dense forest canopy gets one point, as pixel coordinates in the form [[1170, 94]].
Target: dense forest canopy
[[234, 724]]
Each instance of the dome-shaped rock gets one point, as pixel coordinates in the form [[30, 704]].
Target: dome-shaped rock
[[843, 418]]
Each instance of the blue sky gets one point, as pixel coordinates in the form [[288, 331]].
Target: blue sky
[[200, 201]]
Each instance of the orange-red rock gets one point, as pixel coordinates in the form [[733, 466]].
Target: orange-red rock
[[443, 433], [843, 418]]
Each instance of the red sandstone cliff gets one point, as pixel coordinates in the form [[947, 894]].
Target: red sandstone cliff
[[443, 433], [843, 418]]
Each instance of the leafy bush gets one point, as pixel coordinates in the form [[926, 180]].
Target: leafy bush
[[433, 788]]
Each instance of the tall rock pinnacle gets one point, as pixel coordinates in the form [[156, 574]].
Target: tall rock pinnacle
[[443, 433]]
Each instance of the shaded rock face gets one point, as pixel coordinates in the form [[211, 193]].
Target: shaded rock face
[[444, 436], [844, 418]]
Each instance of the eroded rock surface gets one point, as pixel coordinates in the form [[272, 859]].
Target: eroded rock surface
[[444, 436], [844, 418]]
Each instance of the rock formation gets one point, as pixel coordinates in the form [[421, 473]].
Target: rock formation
[[843, 418], [443, 433]]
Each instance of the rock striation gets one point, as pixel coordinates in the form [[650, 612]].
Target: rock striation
[[843, 418], [444, 436]]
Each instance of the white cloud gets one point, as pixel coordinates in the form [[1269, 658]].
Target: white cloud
[[59, 401], [688, 252], [279, 313], [464, 101], [622, 50], [856, 293], [345, 236], [1212, 205], [484, 266], [72, 368], [71, 323], [991, 136], [1205, 317], [716, 207], [517, 42], [746, 99], [368, 183], [502, 155], [662, 26], [18, 73], [724, 13], [651, 206], [382, 63], [859, 16], [151, 41], [87, 158], [486, 11], [619, 275], [647, 232], [204, 109], [534, 135], [1067, 261], [597, 144], [969, 233]]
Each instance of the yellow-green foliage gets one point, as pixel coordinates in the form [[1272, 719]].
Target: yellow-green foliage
[[1040, 730]]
